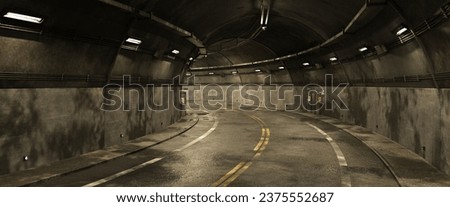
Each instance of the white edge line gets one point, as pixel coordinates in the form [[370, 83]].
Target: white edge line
[[345, 179], [112, 177], [214, 127]]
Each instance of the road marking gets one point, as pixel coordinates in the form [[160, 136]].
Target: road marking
[[234, 173], [153, 161], [261, 141], [345, 177], [214, 127], [115, 176], [229, 174]]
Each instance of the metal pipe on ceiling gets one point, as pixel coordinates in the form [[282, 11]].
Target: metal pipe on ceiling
[[352, 26], [265, 11], [178, 30]]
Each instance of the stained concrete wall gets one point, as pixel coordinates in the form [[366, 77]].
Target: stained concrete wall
[[148, 67], [28, 54], [243, 78], [50, 124], [235, 96], [135, 119], [54, 124], [445, 130], [415, 118]]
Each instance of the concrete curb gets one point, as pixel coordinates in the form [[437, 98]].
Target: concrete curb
[[89, 160]]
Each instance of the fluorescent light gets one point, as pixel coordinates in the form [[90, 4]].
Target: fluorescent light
[[176, 52], [133, 41], [23, 17], [333, 59], [306, 64], [211, 73], [281, 67], [234, 72], [402, 31], [257, 70], [362, 49]]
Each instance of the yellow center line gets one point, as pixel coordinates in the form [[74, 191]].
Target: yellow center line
[[228, 175], [233, 174], [259, 145], [236, 175]]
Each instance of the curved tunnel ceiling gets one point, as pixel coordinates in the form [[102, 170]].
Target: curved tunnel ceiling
[[295, 26], [231, 31], [292, 25]]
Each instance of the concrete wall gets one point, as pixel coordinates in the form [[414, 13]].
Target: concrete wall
[[445, 130], [426, 54], [234, 96], [415, 118], [26, 54], [134, 122], [146, 66], [245, 76], [54, 124], [51, 124], [57, 119]]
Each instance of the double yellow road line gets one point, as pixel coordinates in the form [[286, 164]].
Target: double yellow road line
[[233, 174]]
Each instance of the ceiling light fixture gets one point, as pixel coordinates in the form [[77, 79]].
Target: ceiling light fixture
[[23, 17], [234, 72], [211, 73], [133, 41], [363, 49], [258, 70], [333, 59], [281, 68], [176, 52], [306, 64], [191, 59], [402, 29]]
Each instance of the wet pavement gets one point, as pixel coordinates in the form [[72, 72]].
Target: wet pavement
[[259, 148]]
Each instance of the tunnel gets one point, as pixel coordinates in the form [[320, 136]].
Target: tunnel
[[238, 93]]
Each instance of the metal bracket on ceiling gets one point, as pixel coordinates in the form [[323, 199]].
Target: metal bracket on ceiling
[[265, 11]]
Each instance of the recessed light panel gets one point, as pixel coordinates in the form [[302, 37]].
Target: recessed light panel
[[23, 17], [176, 52], [133, 41]]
